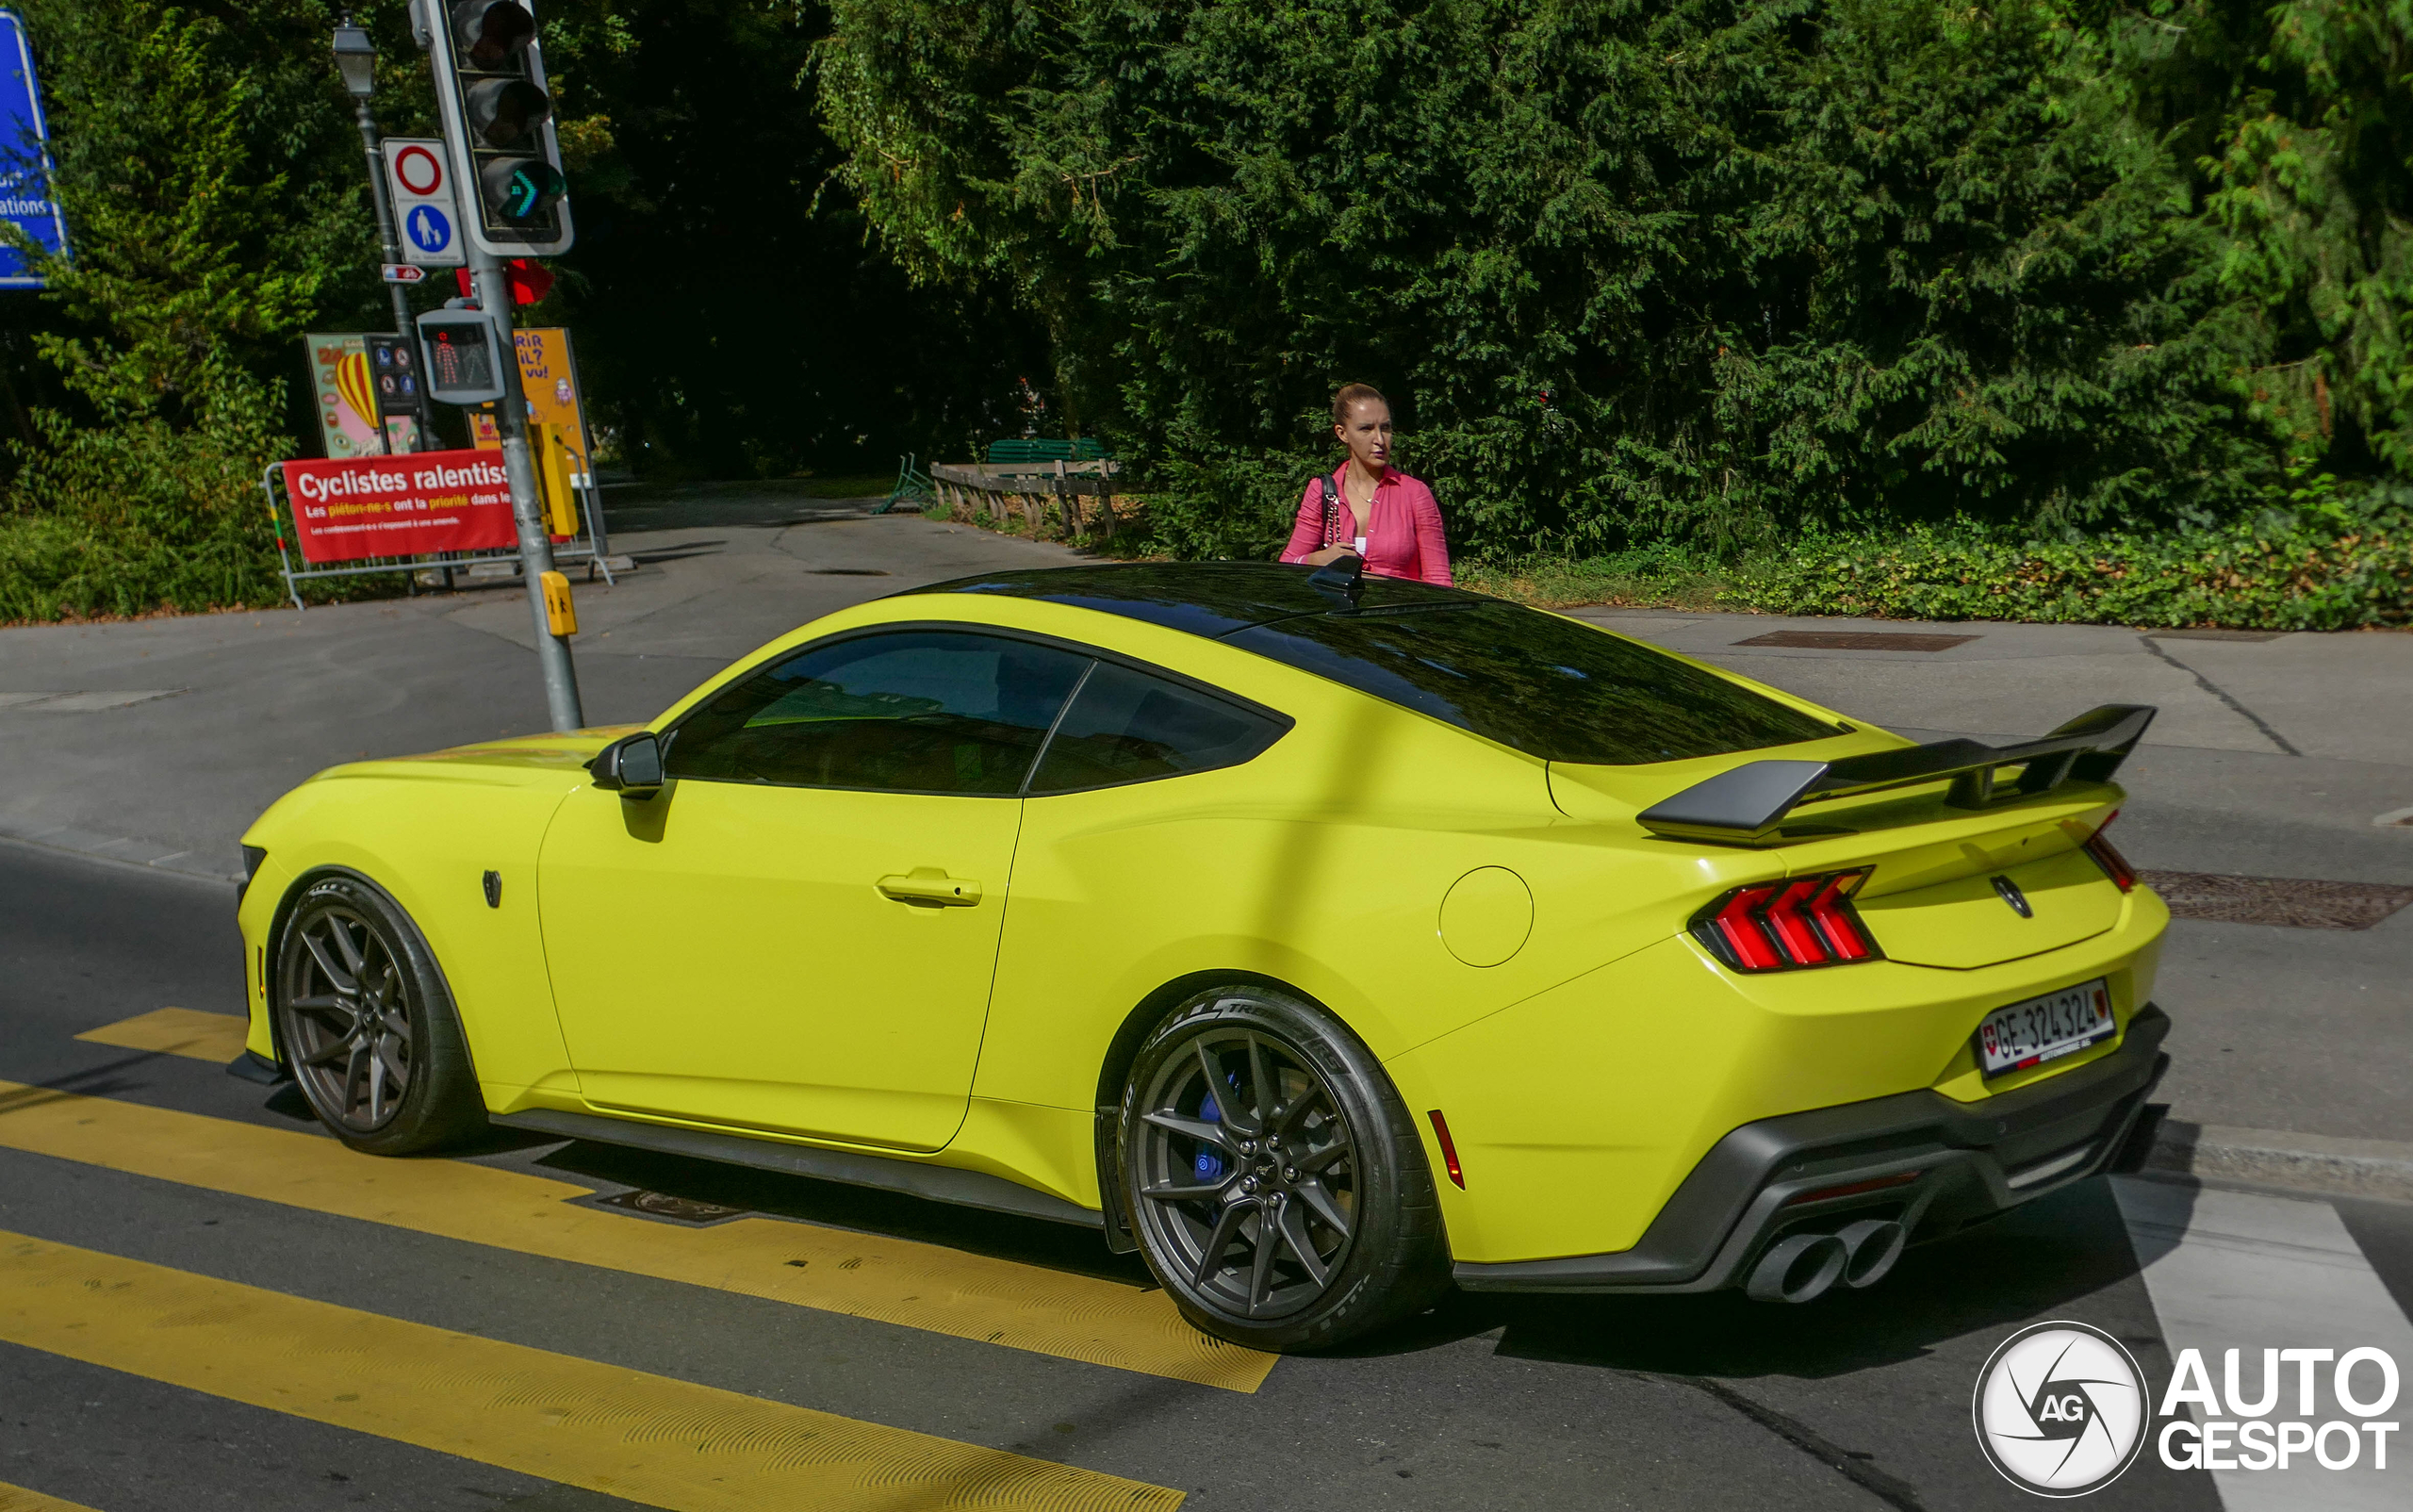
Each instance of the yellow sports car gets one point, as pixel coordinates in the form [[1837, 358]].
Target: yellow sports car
[[1325, 939]]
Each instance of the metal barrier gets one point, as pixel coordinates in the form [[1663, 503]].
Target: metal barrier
[[912, 483], [593, 550]]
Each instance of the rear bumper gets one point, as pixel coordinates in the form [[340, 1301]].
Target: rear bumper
[[1965, 1164]]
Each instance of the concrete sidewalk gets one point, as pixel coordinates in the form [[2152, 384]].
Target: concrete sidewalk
[[2271, 754], [2272, 757]]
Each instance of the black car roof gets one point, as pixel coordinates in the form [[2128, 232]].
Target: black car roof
[[1210, 599], [1535, 683]]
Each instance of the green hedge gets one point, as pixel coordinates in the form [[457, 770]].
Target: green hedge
[[2326, 563], [2295, 578]]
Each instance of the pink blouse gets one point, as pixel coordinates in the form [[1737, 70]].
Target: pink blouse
[[1403, 531]]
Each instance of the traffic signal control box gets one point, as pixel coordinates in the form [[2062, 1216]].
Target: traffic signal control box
[[555, 467], [561, 614]]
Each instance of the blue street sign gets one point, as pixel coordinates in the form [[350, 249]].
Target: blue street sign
[[430, 229], [24, 159]]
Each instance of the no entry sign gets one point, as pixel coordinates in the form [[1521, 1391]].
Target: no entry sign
[[427, 504]]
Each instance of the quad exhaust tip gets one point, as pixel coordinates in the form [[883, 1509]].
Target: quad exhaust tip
[[1802, 1267]]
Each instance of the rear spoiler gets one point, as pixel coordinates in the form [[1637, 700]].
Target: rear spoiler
[[1745, 806]]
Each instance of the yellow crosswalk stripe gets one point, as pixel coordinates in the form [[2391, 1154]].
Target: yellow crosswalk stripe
[[649, 1438], [177, 1033], [174, 1032], [862, 1275], [18, 1498]]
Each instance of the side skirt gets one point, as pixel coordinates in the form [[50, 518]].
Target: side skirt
[[938, 1183]]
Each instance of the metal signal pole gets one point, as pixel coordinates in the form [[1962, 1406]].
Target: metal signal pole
[[527, 509]]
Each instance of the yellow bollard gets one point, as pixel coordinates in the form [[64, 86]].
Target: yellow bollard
[[561, 614]]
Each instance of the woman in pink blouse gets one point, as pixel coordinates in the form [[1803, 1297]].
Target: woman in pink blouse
[[1379, 513]]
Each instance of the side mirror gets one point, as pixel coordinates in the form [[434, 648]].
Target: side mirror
[[631, 766]]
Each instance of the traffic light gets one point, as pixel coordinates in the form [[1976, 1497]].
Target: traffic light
[[466, 352], [497, 119]]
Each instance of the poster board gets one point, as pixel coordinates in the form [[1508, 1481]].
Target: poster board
[[431, 503], [402, 403], [347, 395], [548, 376], [25, 198], [549, 382]]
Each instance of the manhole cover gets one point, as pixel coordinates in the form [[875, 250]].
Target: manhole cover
[[2285, 900], [662, 1204], [848, 572], [1858, 640]]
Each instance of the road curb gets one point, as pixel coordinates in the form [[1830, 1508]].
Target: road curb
[[2309, 1162], [119, 851]]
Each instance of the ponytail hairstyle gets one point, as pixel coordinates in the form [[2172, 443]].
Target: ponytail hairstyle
[[1353, 394]]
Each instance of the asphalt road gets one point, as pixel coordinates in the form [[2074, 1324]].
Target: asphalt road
[[204, 1302], [128, 1175], [2271, 758]]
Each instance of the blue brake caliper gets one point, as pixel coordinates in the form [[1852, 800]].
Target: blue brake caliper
[[1209, 1163]]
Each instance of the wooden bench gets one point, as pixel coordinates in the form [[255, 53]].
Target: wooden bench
[[1037, 451]]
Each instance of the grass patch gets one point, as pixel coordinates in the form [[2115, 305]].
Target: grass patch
[[1657, 577]]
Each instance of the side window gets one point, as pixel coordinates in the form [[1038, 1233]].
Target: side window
[[1128, 727], [917, 711]]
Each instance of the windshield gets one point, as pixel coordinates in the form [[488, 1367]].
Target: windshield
[[1545, 685]]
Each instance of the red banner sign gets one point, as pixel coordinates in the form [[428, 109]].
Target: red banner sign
[[424, 504]]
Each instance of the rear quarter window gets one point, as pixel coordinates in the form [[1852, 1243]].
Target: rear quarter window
[[1126, 726], [1545, 685]]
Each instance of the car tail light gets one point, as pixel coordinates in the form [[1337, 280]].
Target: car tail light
[[1804, 921], [1837, 924], [2106, 856]]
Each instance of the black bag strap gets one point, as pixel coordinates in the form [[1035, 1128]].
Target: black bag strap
[[1331, 511]]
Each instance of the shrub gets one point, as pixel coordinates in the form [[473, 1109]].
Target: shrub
[[140, 516], [2296, 576]]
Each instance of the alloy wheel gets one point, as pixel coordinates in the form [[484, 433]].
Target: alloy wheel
[[1247, 1176], [348, 1019]]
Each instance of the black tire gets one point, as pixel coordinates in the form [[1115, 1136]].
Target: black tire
[[1301, 1215], [361, 1011]]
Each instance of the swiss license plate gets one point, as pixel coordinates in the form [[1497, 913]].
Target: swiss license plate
[[2045, 1029]]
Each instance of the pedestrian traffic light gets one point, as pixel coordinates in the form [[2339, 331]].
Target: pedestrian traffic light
[[464, 356], [498, 119]]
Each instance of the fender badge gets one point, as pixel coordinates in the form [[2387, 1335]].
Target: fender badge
[[2012, 896]]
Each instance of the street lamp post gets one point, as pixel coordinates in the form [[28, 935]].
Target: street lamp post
[[357, 57]]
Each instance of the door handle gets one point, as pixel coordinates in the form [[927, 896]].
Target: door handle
[[931, 887]]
